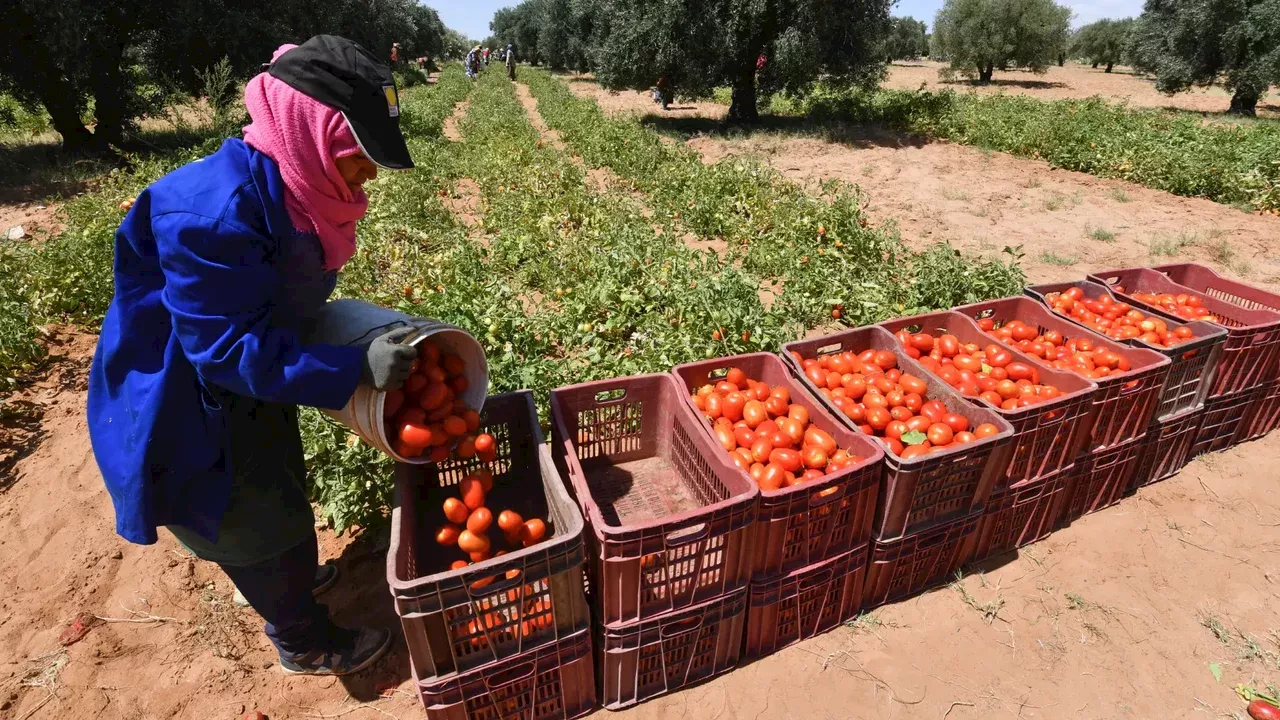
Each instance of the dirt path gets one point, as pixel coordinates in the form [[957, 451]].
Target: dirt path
[[1079, 81], [450, 126], [1068, 223], [60, 557]]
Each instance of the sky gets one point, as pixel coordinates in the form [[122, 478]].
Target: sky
[[471, 17]]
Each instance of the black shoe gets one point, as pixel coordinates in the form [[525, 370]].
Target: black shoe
[[351, 651]]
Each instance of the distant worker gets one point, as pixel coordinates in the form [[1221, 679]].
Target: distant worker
[[511, 63], [662, 92], [486, 56], [471, 64], [395, 54]]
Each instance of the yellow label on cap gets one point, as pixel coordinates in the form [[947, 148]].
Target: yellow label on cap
[[393, 102]]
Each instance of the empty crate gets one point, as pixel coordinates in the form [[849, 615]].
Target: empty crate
[[667, 515]]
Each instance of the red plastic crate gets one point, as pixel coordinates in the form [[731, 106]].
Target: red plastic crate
[[1252, 349], [1103, 479], [1020, 515], [668, 517], [556, 682], [930, 489], [641, 661], [914, 563], [1205, 280], [1192, 363], [784, 610], [1225, 421], [1046, 436], [1265, 415], [799, 526], [1167, 447], [1125, 402], [459, 620]]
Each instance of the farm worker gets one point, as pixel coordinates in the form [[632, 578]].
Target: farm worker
[[192, 391], [486, 56], [395, 54], [511, 62]]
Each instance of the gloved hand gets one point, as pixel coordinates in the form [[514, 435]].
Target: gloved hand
[[387, 363]]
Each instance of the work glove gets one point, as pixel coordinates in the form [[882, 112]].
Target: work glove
[[387, 363]]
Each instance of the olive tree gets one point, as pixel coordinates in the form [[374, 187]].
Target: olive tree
[[1104, 42], [1203, 42], [979, 36], [695, 46], [907, 39]]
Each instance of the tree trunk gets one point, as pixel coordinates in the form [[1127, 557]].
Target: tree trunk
[[1244, 102], [59, 101], [108, 99], [985, 73], [1062, 60], [1109, 66], [743, 107]]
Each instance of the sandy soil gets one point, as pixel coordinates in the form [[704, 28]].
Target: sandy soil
[[38, 219], [1078, 81], [1068, 223]]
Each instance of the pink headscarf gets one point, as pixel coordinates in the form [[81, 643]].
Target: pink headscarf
[[304, 137]]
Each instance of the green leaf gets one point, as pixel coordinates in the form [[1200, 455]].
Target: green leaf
[[986, 368], [1216, 669], [914, 437]]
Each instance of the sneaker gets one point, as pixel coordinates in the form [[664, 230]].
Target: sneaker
[[326, 576], [352, 651]]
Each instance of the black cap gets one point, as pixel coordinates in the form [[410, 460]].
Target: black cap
[[347, 78]]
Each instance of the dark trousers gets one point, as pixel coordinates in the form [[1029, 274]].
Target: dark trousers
[[266, 540], [280, 589]]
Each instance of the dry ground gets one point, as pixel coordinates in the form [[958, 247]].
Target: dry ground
[[1128, 613]]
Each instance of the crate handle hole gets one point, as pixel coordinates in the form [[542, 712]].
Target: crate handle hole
[[614, 395], [509, 677], [682, 627], [688, 535], [827, 495], [818, 579]]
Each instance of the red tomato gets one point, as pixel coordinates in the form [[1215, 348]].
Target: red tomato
[[754, 413], [760, 449], [956, 422], [940, 434], [934, 410], [985, 430]]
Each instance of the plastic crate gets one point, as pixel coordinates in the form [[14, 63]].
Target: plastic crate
[[1265, 415], [1167, 447], [784, 610], [642, 661], [668, 517], [799, 526], [1046, 436], [1192, 363], [1020, 515], [1225, 421], [1252, 349], [556, 682], [914, 563], [1103, 478], [458, 620], [1125, 402], [931, 489]]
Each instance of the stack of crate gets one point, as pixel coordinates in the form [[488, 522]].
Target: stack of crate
[[1248, 364], [509, 636], [930, 506], [810, 542], [667, 529]]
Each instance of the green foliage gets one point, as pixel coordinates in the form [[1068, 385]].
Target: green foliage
[[21, 119], [980, 36], [1176, 152], [19, 349], [1202, 42], [1104, 42], [125, 56], [907, 39]]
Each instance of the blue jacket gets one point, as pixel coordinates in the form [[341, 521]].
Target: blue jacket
[[211, 283]]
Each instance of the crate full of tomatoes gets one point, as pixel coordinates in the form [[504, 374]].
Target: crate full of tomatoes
[[1251, 351], [819, 480], [1048, 409], [1192, 347], [486, 557], [1129, 379], [944, 454]]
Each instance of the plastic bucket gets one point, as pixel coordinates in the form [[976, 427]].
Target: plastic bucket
[[355, 322]]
